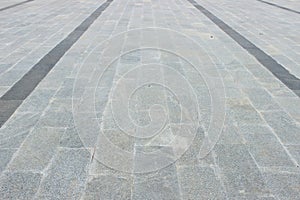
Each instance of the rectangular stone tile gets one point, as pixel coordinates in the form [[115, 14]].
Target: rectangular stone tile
[[53, 80], [10, 77], [199, 183], [161, 184], [71, 139], [121, 139], [5, 157], [261, 99], [284, 185], [243, 112], [3, 90], [108, 187], [37, 150], [66, 176], [191, 156], [37, 101], [276, 88], [239, 171], [16, 129], [61, 105], [13, 141], [244, 79], [266, 149], [155, 180], [230, 134], [232, 92], [291, 105], [56, 119], [19, 185], [68, 90], [88, 128], [284, 126], [295, 152]]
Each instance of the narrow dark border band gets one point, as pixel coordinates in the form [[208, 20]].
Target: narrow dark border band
[[15, 5], [278, 6], [13, 98], [291, 81]]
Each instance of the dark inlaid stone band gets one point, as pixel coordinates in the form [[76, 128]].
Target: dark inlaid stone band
[[11, 100], [278, 6], [15, 5], [267, 61]]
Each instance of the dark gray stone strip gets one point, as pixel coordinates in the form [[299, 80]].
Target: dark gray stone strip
[[291, 81], [278, 6], [21, 89], [7, 108], [15, 5]]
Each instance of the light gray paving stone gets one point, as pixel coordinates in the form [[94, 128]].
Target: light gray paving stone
[[71, 139], [5, 157], [14, 140], [172, 15], [99, 168], [37, 150], [19, 185], [230, 135], [61, 105], [161, 182], [108, 187], [283, 185], [56, 119], [10, 77], [4, 67], [37, 101], [16, 129], [121, 139], [261, 99], [88, 128], [191, 156], [267, 150], [232, 92], [199, 183], [295, 152], [284, 126], [3, 90], [239, 171], [243, 112], [291, 105], [66, 175], [276, 88]]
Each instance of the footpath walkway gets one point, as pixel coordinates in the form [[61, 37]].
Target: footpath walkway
[[150, 99]]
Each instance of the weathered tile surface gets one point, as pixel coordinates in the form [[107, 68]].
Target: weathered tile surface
[[97, 127]]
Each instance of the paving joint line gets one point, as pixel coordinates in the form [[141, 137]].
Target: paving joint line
[[278, 6], [280, 72], [15, 5], [14, 97]]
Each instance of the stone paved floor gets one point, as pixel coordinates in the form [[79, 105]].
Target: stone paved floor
[[149, 99]]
